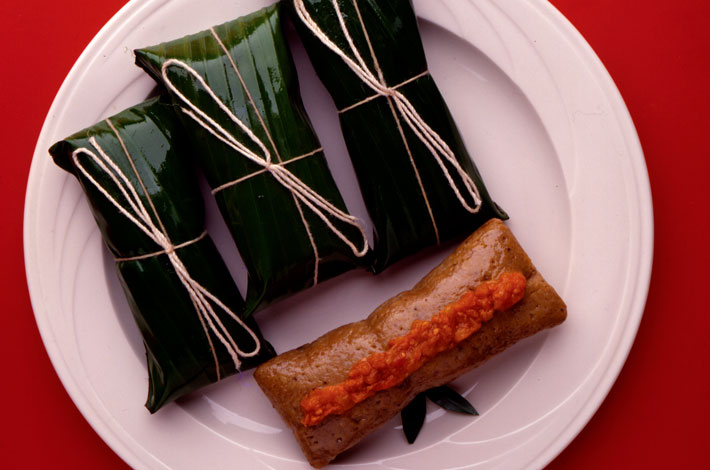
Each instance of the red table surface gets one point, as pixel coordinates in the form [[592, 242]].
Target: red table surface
[[655, 415]]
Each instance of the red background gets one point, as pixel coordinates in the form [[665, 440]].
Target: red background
[[655, 415]]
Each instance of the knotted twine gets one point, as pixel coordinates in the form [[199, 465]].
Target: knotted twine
[[399, 105], [136, 212], [301, 192]]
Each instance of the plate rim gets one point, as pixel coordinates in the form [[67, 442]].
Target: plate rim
[[646, 234]]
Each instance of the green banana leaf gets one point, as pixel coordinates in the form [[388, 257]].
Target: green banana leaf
[[182, 355], [414, 414], [396, 200], [269, 225]]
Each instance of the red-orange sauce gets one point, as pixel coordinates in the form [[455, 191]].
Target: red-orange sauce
[[405, 354]]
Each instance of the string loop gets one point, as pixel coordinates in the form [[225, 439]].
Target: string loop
[[324, 209], [439, 149], [135, 211]]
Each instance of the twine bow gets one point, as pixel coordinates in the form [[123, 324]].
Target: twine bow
[[305, 194], [438, 148], [136, 212]]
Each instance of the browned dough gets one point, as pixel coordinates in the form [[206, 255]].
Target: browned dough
[[490, 251]]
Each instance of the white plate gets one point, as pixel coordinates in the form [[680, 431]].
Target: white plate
[[558, 150]]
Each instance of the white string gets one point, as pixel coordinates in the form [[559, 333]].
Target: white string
[[306, 226], [162, 252], [375, 96], [137, 213], [439, 149], [314, 201], [259, 172]]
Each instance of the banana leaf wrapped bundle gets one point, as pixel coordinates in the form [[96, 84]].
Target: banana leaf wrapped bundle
[[135, 172], [419, 183], [236, 89]]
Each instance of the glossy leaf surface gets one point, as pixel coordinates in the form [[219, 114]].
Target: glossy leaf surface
[[398, 203], [413, 416], [269, 226], [450, 400], [179, 354]]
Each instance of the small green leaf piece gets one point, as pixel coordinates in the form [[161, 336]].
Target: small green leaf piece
[[449, 399], [413, 416]]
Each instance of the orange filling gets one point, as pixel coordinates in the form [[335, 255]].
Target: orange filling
[[406, 354]]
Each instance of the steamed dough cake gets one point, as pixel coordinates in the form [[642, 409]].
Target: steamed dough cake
[[489, 252]]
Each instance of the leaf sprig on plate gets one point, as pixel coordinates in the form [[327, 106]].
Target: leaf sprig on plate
[[414, 414]]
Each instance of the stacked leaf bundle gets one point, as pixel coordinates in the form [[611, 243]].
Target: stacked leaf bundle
[[236, 89], [135, 172], [418, 181], [233, 102]]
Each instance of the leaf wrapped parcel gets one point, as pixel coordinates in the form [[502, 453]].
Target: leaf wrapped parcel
[[419, 184], [135, 172], [236, 89]]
